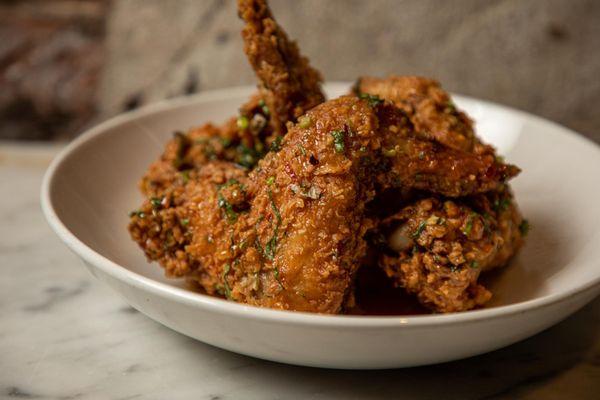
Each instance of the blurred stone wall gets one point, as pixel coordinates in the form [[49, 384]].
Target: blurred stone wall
[[51, 57], [542, 56]]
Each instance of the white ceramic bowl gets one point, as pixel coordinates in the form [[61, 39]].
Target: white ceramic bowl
[[89, 189]]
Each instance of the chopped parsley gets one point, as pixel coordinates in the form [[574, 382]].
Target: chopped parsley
[[227, 208], [276, 144], [264, 108], [231, 182], [338, 141], [185, 222], [270, 180], [156, 202], [474, 264], [247, 157], [137, 213], [276, 275], [501, 204], [271, 246], [419, 230], [469, 225], [372, 99]]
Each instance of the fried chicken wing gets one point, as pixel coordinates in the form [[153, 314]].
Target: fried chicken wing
[[166, 224], [437, 248], [289, 86], [296, 246], [419, 163], [429, 108]]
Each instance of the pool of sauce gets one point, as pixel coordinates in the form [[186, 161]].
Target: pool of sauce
[[375, 295]]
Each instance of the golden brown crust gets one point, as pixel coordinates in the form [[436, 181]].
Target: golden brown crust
[[420, 163], [288, 84], [296, 246], [448, 243], [428, 106]]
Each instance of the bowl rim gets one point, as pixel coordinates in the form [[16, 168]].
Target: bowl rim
[[234, 309]]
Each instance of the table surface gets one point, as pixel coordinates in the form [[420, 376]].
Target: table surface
[[64, 335]]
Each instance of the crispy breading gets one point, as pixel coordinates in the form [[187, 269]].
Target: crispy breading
[[447, 244], [288, 84]]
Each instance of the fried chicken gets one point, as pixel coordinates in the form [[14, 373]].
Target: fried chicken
[[429, 108], [296, 246], [420, 163], [288, 88], [279, 206], [288, 84], [437, 248]]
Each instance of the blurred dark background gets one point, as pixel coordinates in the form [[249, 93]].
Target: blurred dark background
[[66, 64]]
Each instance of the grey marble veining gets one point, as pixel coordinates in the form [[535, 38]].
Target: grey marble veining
[[64, 335]]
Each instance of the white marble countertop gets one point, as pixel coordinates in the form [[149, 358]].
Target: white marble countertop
[[64, 335]]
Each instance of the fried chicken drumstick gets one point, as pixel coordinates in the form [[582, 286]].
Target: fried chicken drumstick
[[280, 206]]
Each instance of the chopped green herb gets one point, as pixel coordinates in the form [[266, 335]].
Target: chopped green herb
[[242, 122], [271, 246], [501, 204], [372, 99], [276, 274], [304, 121], [338, 141], [138, 213], [156, 202], [469, 225], [474, 264], [524, 227], [276, 144], [231, 182], [185, 222], [247, 157], [226, 142], [270, 180], [227, 209], [419, 230], [264, 107]]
